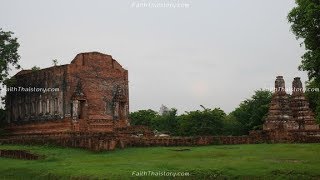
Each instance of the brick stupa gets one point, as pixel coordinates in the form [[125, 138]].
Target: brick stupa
[[300, 107], [289, 112], [280, 115]]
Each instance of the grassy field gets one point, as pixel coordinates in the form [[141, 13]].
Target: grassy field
[[269, 161]]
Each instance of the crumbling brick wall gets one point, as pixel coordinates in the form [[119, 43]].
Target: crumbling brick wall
[[92, 96]]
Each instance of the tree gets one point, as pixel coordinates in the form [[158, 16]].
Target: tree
[[252, 112], [305, 24], [142, 117], [166, 122], [55, 62], [163, 110], [8, 57], [313, 95], [8, 54], [305, 19], [35, 68], [232, 127], [201, 123]]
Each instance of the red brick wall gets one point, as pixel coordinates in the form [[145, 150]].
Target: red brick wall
[[111, 141], [99, 74], [93, 96]]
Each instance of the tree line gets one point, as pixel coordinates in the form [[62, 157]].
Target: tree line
[[248, 116], [305, 25]]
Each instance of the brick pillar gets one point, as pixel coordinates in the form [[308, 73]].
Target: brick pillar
[[300, 107], [280, 114], [297, 88]]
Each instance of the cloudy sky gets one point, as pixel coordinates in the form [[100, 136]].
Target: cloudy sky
[[210, 52]]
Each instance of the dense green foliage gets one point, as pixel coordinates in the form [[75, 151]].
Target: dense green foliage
[[8, 57], [313, 95], [248, 116], [251, 113], [8, 54], [232, 126], [305, 19], [255, 161], [206, 122], [142, 117], [305, 24], [164, 123]]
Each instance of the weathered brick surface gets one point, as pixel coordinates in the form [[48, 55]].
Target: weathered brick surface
[[289, 113], [280, 115], [111, 141], [106, 141], [90, 141], [93, 97], [300, 107]]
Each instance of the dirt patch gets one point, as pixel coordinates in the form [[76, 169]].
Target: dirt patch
[[19, 154], [180, 149]]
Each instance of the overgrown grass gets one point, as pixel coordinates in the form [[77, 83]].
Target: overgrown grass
[[271, 161]]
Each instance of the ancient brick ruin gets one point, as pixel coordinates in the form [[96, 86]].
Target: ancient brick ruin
[[90, 111], [290, 118], [289, 112], [92, 96]]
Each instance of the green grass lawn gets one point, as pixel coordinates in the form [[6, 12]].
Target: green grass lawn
[[270, 161]]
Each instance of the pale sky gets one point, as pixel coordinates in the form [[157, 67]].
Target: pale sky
[[214, 53]]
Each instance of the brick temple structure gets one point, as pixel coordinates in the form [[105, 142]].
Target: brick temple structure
[[90, 111], [289, 112], [88, 95]]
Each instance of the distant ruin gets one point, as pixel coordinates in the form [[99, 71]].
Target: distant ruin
[[90, 110], [289, 112]]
